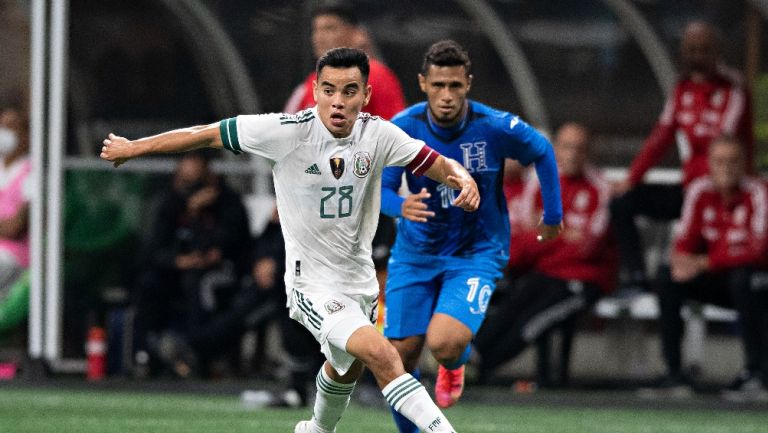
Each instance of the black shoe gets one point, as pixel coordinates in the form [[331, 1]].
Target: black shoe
[[747, 386], [670, 386]]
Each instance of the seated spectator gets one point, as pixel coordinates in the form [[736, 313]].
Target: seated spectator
[[708, 99], [719, 257], [558, 279], [192, 264], [15, 190]]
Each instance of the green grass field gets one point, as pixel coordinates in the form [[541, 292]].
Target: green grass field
[[63, 411]]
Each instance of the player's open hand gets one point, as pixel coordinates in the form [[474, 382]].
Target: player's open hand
[[469, 197], [548, 232], [414, 208], [116, 149]]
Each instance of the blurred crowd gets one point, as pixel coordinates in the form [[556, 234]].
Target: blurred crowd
[[205, 282]]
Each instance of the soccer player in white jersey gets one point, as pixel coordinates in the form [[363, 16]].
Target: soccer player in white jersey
[[327, 163]]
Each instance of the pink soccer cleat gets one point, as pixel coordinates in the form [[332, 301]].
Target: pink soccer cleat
[[449, 386]]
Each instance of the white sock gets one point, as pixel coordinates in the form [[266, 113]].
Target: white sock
[[331, 401], [407, 396]]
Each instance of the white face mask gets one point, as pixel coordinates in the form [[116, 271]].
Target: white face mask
[[8, 141]]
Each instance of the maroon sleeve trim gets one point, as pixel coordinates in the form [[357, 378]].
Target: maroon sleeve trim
[[423, 161]]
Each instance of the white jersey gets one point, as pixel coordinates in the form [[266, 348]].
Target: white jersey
[[328, 191]]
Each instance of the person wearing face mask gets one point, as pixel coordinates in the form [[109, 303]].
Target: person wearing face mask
[[15, 192], [194, 253]]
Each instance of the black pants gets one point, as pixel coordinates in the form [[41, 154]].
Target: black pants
[[533, 307], [741, 288], [659, 202]]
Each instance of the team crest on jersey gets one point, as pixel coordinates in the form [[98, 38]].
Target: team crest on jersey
[[337, 166], [361, 164], [333, 306]]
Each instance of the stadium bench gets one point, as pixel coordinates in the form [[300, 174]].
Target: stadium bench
[[644, 307]]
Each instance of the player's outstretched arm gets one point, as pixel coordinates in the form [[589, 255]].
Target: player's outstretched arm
[[118, 149], [455, 176]]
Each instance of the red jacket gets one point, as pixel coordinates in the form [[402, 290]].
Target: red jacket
[[513, 192], [693, 115], [733, 233], [386, 100], [586, 250]]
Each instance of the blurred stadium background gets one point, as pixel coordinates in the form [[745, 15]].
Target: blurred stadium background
[[144, 66]]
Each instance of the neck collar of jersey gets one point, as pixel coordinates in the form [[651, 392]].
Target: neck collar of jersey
[[452, 132]]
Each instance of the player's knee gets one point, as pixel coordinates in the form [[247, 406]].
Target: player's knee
[[446, 350]]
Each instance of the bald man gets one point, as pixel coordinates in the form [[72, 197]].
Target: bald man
[[707, 101]]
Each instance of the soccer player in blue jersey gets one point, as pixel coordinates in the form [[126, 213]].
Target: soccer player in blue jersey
[[445, 262]]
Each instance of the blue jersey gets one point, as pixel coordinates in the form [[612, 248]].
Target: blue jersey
[[481, 142]]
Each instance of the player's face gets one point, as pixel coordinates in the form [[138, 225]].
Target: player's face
[[340, 94], [330, 31], [446, 88], [571, 148], [726, 165]]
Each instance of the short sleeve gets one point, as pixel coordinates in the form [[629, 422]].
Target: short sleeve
[[521, 141], [272, 136], [402, 149]]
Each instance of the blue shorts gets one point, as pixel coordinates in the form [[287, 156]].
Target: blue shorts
[[419, 286]]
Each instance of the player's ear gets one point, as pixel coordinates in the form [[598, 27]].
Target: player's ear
[[314, 89], [469, 82], [423, 83], [368, 93]]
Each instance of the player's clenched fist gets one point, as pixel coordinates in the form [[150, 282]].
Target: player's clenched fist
[[469, 197], [116, 149]]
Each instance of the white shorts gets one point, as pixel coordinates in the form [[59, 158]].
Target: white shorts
[[332, 318]]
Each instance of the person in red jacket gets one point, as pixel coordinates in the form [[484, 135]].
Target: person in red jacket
[[336, 25], [720, 256], [557, 279], [708, 100]]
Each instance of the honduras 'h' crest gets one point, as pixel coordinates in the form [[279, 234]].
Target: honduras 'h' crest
[[337, 166], [361, 164]]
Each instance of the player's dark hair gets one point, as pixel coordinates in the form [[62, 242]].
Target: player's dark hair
[[340, 9], [446, 53], [345, 58]]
